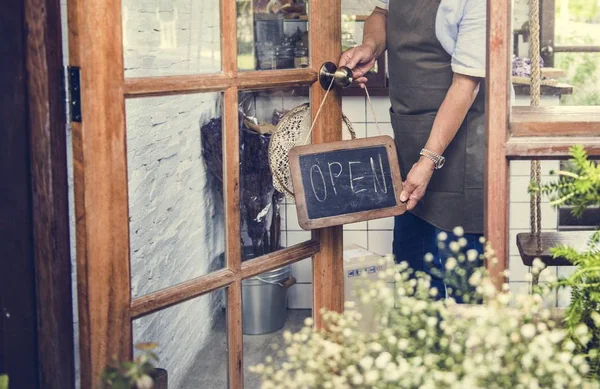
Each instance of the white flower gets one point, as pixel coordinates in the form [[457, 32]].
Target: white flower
[[442, 236], [366, 363], [382, 360], [458, 231], [451, 262], [537, 265], [402, 344], [357, 379], [371, 377], [528, 331], [428, 257], [454, 247], [463, 242], [308, 322], [472, 255], [144, 382]]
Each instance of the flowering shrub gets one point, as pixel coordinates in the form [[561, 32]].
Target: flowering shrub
[[506, 342]]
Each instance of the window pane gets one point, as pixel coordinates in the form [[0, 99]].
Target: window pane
[[175, 196], [577, 22], [267, 216], [271, 36], [191, 340], [171, 37], [582, 72]]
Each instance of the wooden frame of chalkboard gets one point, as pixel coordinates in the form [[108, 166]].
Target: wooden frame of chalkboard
[[319, 210]]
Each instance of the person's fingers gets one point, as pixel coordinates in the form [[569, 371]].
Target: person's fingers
[[351, 58], [407, 190], [362, 81], [346, 57], [412, 203], [363, 67]]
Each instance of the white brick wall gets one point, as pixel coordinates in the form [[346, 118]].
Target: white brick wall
[[176, 219], [169, 37]]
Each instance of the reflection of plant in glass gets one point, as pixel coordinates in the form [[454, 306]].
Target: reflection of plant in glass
[[3, 382], [132, 374], [259, 201]]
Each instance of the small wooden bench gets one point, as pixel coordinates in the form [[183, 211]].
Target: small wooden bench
[[528, 248]]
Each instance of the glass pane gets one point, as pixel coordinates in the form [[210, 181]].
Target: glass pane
[[266, 218], [582, 72], [272, 35], [270, 307], [519, 222], [171, 37], [577, 23], [175, 192], [191, 340]]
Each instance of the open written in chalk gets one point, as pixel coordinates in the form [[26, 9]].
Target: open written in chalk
[[346, 182]]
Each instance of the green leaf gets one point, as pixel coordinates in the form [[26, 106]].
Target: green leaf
[[3, 382]]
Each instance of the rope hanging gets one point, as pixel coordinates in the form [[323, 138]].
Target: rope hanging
[[535, 94]]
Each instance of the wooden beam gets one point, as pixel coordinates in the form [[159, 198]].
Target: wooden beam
[[279, 258], [231, 189], [48, 139], [549, 147], [185, 291], [194, 83], [235, 338], [325, 45], [555, 121], [169, 85], [276, 79], [496, 178], [100, 180]]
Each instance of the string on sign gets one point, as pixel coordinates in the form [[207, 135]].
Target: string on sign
[[308, 136]]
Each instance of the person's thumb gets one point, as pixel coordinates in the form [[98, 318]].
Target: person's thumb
[[407, 191]]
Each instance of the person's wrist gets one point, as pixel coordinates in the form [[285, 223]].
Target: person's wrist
[[428, 162], [371, 46]]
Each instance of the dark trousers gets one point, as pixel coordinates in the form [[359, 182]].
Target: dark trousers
[[414, 237]]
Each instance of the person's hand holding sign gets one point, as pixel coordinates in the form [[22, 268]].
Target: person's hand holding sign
[[416, 183]]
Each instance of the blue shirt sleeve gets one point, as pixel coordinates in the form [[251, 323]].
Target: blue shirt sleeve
[[461, 29]]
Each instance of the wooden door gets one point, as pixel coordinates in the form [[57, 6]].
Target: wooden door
[[144, 64]]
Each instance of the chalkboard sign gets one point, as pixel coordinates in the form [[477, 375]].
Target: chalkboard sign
[[346, 182]]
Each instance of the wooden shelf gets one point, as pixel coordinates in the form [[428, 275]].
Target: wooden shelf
[[555, 121]]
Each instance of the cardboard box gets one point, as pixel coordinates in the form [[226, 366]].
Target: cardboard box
[[361, 264]]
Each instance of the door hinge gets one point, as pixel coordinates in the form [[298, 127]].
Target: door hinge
[[74, 93]]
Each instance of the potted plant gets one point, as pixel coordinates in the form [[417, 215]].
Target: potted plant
[[136, 374]]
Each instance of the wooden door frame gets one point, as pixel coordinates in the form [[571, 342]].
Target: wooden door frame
[[100, 177], [35, 280], [520, 132]]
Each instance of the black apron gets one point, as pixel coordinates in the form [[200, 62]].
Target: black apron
[[420, 75]]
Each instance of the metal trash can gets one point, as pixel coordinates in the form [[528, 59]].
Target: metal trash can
[[264, 301]]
